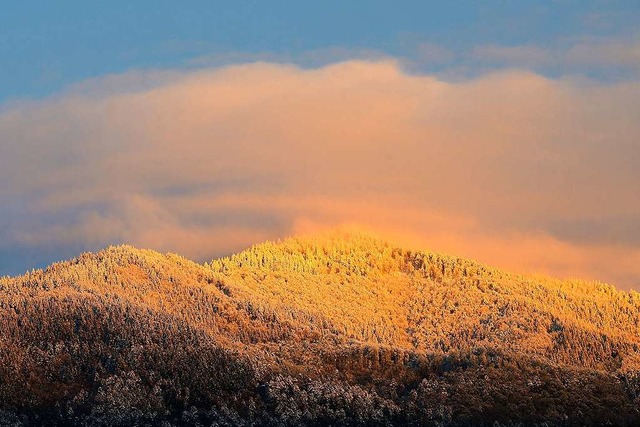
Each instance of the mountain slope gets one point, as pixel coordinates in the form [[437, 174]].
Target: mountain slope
[[373, 292], [340, 328]]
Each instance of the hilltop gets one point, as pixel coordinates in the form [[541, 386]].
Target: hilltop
[[341, 328]]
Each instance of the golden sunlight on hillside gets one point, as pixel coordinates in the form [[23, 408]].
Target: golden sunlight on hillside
[[373, 291], [314, 319]]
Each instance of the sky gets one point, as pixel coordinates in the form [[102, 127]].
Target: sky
[[507, 132]]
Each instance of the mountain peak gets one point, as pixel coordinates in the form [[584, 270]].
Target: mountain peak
[[332, 317]]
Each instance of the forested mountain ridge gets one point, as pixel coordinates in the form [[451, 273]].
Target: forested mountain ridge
[[341, 328]]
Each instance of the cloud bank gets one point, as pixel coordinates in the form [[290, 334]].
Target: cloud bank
[[511, 168], [622, 56]]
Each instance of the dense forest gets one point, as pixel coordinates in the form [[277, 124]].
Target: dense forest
[[340, 328]]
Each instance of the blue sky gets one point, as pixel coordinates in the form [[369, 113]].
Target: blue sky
[[47, 45]]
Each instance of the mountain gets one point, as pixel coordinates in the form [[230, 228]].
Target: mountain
[[340, 328]]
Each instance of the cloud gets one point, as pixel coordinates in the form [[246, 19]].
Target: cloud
[[510, 168], [609, 53], [431, 53], [312, 58], [526, 55], [611, 56]]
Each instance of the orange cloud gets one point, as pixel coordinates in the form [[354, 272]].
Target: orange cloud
[[511, 168]]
